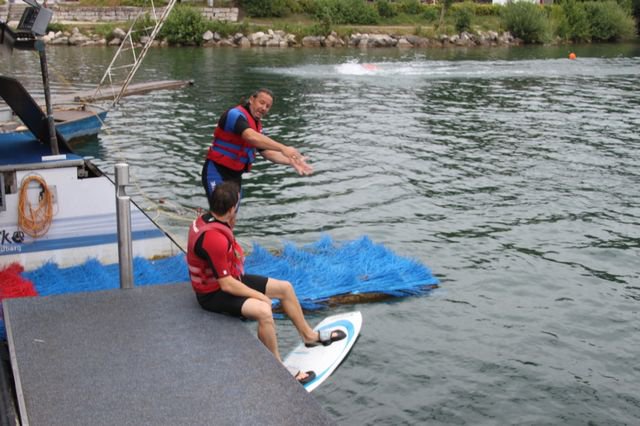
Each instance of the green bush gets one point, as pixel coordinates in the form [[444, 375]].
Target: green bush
[[635, 6], [143, 27], [341, 12], [527, 21], [105, 30], [185, 25], [626, 5], [307, 6], [410, 7], [54, 26], [322, 28], [266, 8], [608, 21], [225, 28], [484, 9], [386, 9], [558, 22], [577, 21], [431, 13], [463, 16]]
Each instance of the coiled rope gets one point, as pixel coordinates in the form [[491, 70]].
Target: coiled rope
[[35, 220]]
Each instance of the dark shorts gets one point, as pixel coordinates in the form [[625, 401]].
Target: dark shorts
[[214, 174], [225, 303]]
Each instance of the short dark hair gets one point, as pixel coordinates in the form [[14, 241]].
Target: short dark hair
[[224, 196]]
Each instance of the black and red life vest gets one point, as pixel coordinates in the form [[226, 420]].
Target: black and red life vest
[[229, 149], [202, 278]]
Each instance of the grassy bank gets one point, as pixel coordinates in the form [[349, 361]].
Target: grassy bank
[[565, 21]]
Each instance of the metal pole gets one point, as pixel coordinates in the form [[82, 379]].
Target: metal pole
[[123, 212], [53, 140]]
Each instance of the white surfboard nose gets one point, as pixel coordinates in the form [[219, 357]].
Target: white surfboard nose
[[323, 360]]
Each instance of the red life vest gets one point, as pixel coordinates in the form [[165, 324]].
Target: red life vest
[[230, 149], [202, 278]]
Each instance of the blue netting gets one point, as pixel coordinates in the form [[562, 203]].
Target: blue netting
[[318, 271], [325, 269], [50, 279]]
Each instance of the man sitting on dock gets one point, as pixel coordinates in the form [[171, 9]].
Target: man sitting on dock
[[215, 262]]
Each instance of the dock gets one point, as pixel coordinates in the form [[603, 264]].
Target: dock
[[147, 355]]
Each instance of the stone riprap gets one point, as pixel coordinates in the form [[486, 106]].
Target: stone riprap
[[282, 39]]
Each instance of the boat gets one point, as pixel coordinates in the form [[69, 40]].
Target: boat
[[72, 123], [56, 206]]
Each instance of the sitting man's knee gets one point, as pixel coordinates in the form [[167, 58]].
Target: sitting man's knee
[[286, 286], [264, 312]]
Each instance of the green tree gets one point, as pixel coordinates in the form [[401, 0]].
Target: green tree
[[411, 7], [559, 23], [386, 9], [527, 21], [577, 21], [446, 4], [463, 16], [184, 25], [609, 21]]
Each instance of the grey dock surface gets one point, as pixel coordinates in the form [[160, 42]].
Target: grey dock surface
[[148, 355]]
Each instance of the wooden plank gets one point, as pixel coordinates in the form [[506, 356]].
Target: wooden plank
[[133, 89]]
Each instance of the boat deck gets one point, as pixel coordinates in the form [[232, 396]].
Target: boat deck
[[16, 154], [148, 355]]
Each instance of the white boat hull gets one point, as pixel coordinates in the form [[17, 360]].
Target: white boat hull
[[83, 225]]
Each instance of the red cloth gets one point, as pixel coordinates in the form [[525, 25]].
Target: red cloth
[[12, 284]]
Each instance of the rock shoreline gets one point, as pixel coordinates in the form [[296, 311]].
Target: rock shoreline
[[282, 39]]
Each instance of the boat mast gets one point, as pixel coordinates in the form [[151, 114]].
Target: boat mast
[[110, 79]]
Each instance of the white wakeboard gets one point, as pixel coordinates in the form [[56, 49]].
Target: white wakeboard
[[323, 360]]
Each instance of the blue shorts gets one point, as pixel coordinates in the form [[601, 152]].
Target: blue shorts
[[213, 174]]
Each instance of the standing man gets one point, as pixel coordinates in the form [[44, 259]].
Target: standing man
[[215, 261], [237, 137]]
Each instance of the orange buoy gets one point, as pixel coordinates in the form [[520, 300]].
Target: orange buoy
[[572, 55]]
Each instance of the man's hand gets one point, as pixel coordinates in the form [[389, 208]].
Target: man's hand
[[291, 153], [265, 299], [297, 161], [301, 166]]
